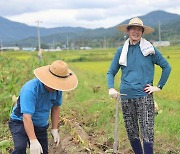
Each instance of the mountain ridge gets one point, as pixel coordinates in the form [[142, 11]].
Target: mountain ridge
[[21, 34]]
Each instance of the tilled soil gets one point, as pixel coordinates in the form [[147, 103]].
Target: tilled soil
[[79, 142]]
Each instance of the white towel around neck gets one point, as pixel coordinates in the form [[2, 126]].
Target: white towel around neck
[[145, 46]]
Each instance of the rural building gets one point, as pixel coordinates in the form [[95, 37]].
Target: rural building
[[28, 49], [9, 48], [85, 48], [51, 49]]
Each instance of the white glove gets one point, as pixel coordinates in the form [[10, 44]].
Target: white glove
[[55, 135], [113, 93], [35, 147], [150, 89]]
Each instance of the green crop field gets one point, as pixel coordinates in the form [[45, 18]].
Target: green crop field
[[89, 104]]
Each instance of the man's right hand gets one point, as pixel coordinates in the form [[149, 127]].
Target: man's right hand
[[113, 93], [35, 147]]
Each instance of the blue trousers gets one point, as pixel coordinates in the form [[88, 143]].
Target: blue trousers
[[21, 139]]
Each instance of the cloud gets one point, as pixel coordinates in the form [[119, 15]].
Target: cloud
[[84, 13], [91, 14], [14, 7], [59, 18], [48, 17]]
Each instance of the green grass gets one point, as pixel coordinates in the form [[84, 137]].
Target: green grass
[[95, 111]]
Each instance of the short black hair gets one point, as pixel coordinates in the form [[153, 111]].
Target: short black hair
[[129, 27]]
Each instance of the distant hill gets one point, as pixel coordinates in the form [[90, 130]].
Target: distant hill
[[154, 17], [15, 33]]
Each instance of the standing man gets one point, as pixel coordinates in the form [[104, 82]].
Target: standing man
[[136, 59], [37, 99]]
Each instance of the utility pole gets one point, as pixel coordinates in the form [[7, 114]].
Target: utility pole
[[105, 43], [67, 43], [1, 44], [39, 41], [38, 31], [159, 33], [124, 37]]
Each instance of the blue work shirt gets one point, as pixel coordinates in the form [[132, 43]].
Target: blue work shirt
[[138, 72], [36, 100]]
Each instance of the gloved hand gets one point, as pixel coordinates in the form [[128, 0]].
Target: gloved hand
[[55, 135], [35, 147], [113, 93], [150, 89]]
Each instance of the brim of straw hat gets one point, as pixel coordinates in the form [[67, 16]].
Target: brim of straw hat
[[54, 82], [123, 28]]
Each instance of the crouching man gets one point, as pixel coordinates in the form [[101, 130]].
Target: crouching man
[[39, 98]]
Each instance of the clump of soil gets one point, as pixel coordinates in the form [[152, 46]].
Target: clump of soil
[[66, 146]]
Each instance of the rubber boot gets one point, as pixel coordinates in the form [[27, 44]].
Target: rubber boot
[[148, 148], [136, 146]]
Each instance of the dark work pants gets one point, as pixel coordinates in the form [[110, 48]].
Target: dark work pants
[[139, 112], [21, 139]]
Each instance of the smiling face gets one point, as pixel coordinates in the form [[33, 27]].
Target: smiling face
[[135, 34]]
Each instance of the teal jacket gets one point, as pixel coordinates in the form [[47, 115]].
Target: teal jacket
[[138, 72]]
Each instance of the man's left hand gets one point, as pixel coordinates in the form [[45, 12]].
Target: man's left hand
[[55, 135], [150, 89]]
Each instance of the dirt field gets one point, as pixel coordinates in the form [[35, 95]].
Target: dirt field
[[79, 142]]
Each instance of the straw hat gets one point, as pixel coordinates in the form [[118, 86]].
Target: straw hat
[[135, 22], [57, 76]]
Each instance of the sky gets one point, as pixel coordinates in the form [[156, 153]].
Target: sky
[[81, 13]]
